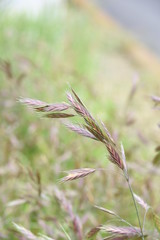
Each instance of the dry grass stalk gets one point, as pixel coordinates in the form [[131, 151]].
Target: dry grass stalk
[[77, 173], [16, 202], [29, 235], [106, 210], [77, 226], [25, 232], [114, 214]]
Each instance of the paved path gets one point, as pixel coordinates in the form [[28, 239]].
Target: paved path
[[140, 17]]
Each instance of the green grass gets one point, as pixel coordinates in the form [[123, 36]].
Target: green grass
[[54, 52]]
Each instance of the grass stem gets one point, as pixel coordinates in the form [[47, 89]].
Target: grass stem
[[144, 220], [135, 205]]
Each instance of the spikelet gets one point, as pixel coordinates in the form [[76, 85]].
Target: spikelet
[[59, 115], [80, 130], [114, 156], [56, 107], [34, 103], [77, 173], [52, 110], [78, 107]]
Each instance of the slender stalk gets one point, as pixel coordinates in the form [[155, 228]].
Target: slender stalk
[[144, 220], [68, 237], [134, 201], [126, 222]]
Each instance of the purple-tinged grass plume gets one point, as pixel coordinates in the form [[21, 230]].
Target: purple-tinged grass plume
[[77, 173], [90, 129], [127, 232]]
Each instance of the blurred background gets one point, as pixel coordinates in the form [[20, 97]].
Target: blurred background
[[108, 51], [140, 18]]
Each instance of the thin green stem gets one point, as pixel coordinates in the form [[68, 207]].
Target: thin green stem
[[68, 237], [121, 219], [144, 220], [134, 201]]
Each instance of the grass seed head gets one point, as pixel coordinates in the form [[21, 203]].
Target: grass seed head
[[59, 115], [34, 103], [56, 107], [114, 156], [77, 173], [81, 130], [128, 232]]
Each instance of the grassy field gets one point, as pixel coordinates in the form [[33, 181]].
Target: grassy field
[[41, 58]]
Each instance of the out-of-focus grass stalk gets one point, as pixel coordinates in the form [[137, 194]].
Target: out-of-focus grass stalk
[[135, 205], [126, 175]]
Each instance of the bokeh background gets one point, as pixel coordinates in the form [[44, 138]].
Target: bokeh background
[[46, 47]]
